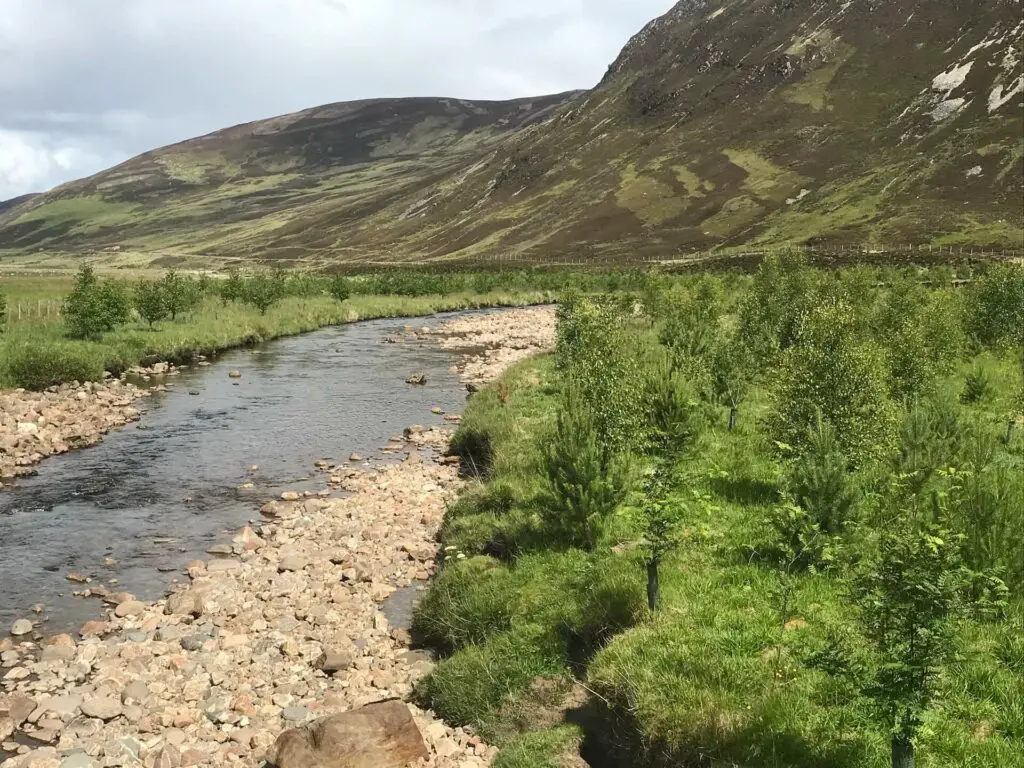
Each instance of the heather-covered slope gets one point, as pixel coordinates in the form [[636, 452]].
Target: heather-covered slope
[[720, 124]]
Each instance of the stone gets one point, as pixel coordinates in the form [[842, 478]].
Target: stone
[[331, 662], [291, 563], [78, 760], [130, 608], [102, 708], [135, 691], [381, 735], [235, 375], [290, 496], [188, 602], [21, 627]]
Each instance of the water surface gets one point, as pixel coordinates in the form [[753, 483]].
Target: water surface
[[158, 493]]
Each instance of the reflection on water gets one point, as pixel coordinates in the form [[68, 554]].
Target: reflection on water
[[157, 494]]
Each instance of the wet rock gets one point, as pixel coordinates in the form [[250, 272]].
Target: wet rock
[[382, 735], [419, 379], [235, 375], [21, 627]]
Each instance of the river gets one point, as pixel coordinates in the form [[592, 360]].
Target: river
[[158, 493]]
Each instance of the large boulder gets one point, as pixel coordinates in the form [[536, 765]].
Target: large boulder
[[381, 735]]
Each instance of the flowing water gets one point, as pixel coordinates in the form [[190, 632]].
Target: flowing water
[[158, 493]]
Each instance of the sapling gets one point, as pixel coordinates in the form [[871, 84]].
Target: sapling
[[150, 301], [339, 288], [662, 518], [733, 369], [911, 601]]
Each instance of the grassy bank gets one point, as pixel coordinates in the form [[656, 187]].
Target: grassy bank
[[757, 654], [40, 354]]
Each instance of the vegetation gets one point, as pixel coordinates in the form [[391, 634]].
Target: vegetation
[[110, 325], [836, 579]]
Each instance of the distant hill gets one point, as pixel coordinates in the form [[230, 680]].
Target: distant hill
[[14, 202], [720, 124]]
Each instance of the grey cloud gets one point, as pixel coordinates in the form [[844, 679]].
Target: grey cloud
[[87, 83]]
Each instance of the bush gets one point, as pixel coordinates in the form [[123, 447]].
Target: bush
[[834, 372], [977, 385], [151, 302], [585, 484], [95, 307], [339, 288], [3, 313], [38, 366]]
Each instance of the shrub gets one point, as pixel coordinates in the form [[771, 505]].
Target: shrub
[[263, 290], [151, 302], [977, 385], [834, 372], [930, 439], [585, 484], [95, 307], [339, 288], [38, 366], [3, 313]]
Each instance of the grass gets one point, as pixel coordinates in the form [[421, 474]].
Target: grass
[[720, 676]]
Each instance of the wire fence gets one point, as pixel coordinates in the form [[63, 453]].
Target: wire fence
[[40, 311]]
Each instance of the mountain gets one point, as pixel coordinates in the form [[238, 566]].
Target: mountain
[[292, 185], [720, 124], [14, 202]]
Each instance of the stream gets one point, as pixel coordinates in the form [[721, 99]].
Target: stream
[[130, 512]]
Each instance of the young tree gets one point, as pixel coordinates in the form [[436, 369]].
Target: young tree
[[233, 288], [94, 307], [584, 484], [597, 356], [339, 288], [996, 320], [834, 371], [3, 312], [263, 290], [150, 301], [662, 519], [910, 602], [733, 370], [180, 293], [672, 417]]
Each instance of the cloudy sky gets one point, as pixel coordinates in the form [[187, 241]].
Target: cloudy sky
[[85, 84]]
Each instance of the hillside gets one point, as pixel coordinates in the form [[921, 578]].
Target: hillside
[[231, 193], [719, 124], [10, 205]]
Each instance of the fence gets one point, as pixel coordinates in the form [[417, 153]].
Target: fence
[[40, 311]]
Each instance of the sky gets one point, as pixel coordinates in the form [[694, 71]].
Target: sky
[[86, 84]]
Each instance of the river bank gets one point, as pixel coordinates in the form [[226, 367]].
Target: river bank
[[284, 625], [36, 425]]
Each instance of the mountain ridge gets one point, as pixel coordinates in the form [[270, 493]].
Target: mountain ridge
[[720, 125]]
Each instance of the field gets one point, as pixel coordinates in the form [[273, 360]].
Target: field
[[762, 522]]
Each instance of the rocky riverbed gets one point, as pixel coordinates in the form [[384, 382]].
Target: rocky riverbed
[[281, 626], [34, 425], [502, 339]]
